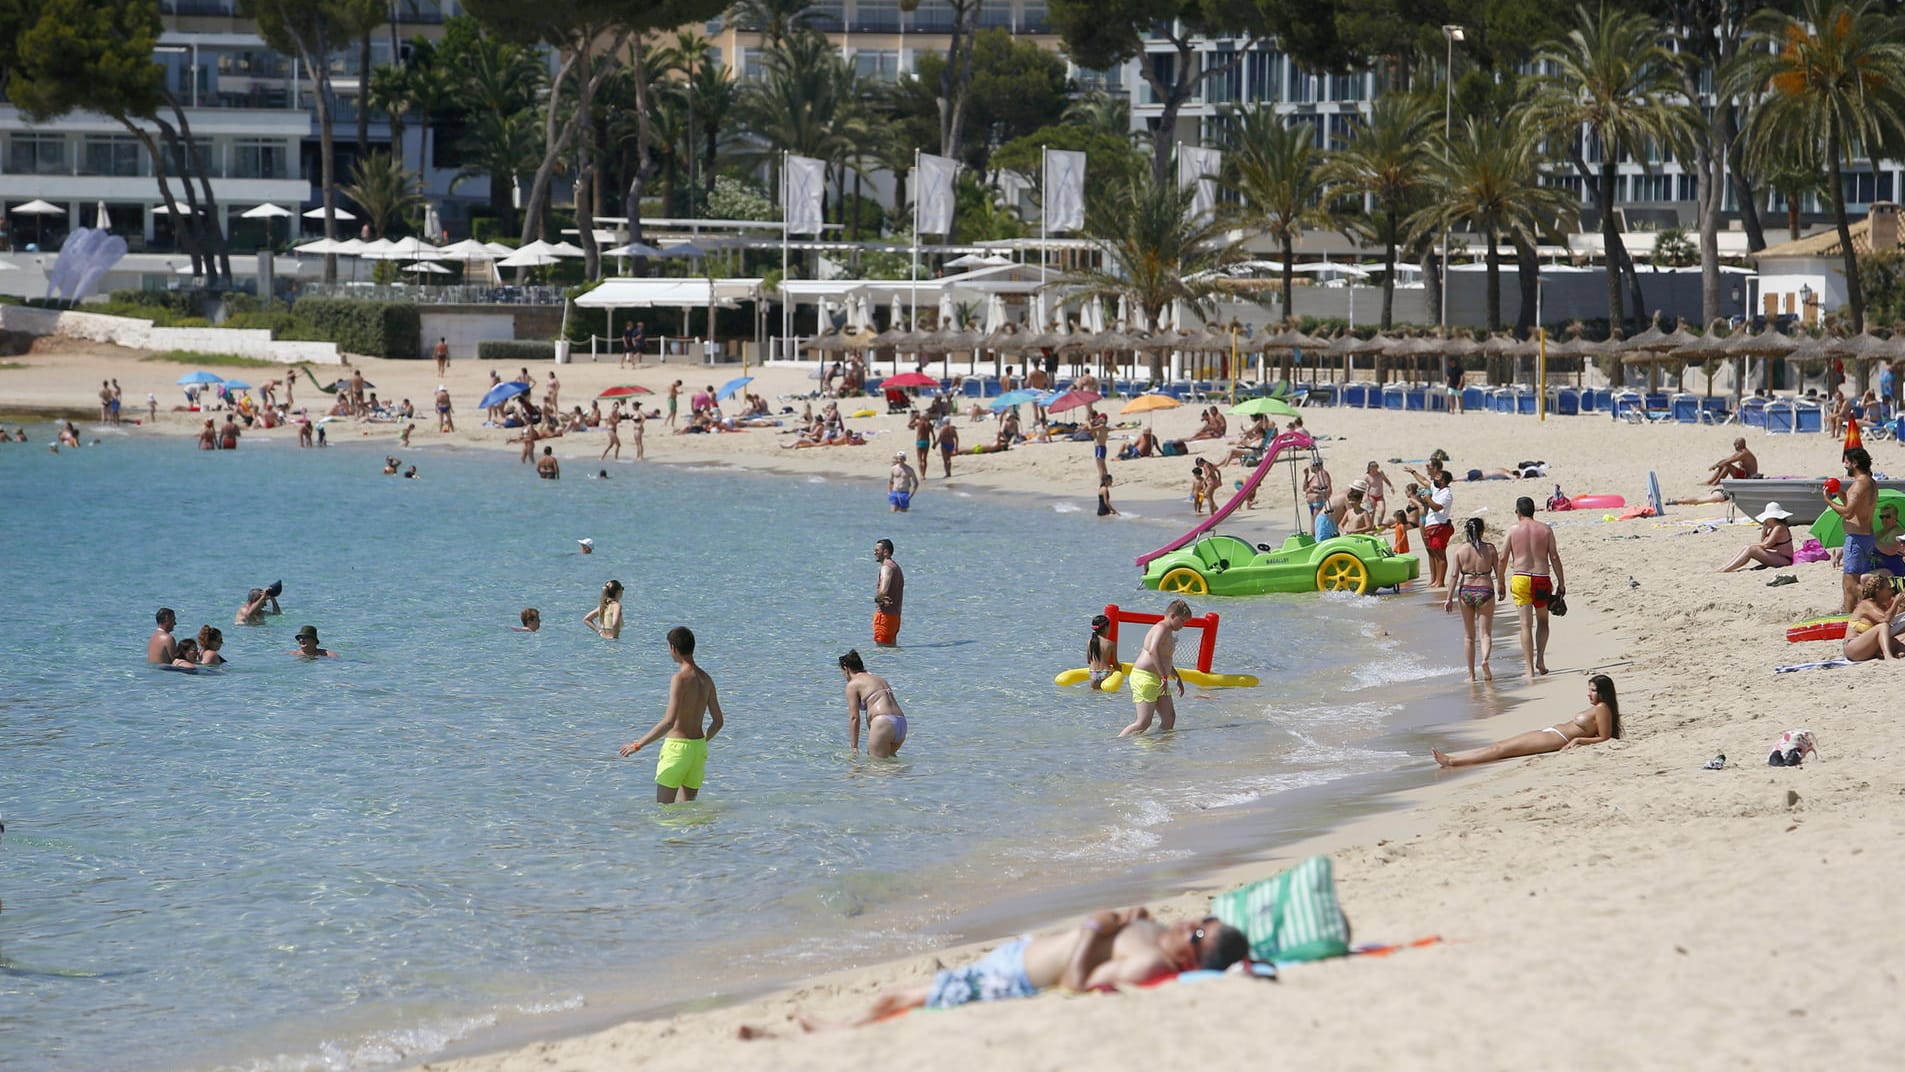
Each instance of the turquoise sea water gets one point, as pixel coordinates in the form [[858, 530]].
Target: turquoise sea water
[[357, 862]]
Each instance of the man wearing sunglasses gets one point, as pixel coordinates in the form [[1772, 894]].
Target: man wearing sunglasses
[[1109, 948]]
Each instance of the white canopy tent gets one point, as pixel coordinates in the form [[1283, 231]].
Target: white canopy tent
[[684, 294]]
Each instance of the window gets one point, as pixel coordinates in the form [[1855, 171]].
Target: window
[[112, 154], [38, 154], [1346, 87], [1263, 76], [877, 16], [881, 64], [1342, 129], [827, 16], [1863, 187], [1033, 17], [1226, 85], [253, 158], [931, 16]]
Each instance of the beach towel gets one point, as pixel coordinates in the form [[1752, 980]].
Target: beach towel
[[1291, 917], [1823, 664]]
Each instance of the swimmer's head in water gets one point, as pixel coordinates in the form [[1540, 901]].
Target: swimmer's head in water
[[532, 617], [165, 617]]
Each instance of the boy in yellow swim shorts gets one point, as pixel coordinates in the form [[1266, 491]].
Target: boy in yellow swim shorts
[[684, 752], [1153, 667]]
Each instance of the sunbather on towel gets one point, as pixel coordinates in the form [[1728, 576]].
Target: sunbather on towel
[[1600, 722], [1107, 949]]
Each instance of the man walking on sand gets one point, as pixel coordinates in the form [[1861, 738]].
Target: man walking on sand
[[888, 595], [1153, 667], [684, 751], [446, 420], [443, 355], [1536, 580], [900, 484], [1861, 499]]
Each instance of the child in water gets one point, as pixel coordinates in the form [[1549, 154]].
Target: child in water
[[1101, 652], [1105, 509], [1399, 530]]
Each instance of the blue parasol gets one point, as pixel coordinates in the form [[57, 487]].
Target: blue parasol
[[200, 376], [729, 388], [502, 393], [237, 385], [1016, 398]]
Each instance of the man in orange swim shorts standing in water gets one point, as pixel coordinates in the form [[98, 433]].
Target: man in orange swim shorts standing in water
[[888, 594]]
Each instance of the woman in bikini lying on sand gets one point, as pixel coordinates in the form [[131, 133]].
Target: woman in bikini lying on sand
[[1600, 722]]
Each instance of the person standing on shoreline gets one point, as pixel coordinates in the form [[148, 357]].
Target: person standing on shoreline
[[1316, 495], [1861, 500], [948, 446], [869, 692], [1438, 528], [1532, 556], [615, 435], [674, 403], [1152, 668], [922, 426], [1480, 568], [683, 764], [160, 647], [443, 355], [1100, 426], [446, 418], [888, 595]]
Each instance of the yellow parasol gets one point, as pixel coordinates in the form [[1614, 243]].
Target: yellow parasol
[[1147, 403]]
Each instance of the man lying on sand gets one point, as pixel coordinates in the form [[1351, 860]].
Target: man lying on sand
[[1109, 948]]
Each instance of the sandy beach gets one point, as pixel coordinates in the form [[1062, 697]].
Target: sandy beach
[[1608, 906]]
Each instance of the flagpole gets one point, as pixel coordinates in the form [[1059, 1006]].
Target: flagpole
[[787, 307], [1045, 213], [914, 313]]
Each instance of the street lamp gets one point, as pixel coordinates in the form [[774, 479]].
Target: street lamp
[[1451, 34]]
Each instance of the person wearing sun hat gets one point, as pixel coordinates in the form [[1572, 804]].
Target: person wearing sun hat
[[308, 645], [900, 484], [587, 545], [1774, 547]]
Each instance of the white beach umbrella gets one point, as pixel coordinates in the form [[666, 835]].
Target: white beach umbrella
[[166, 210], [350, 247], [467, 250], [634, 249], [374, 249], [266, 211], [37, 207], [527, 258], [101, 218], [408, 249], [318, 248], [318, 214], [566, 249], [500, 249], [426, 268]]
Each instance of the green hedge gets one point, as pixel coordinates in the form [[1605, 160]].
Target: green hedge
[[371, 328], [281, 324], [516, 350]]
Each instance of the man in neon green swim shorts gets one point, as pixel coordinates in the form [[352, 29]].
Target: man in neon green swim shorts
[[1153, 668], [684, 751]]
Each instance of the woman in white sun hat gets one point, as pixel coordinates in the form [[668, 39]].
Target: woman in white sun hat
[[1774, 546]]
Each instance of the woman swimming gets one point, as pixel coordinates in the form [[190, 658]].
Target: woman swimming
[[210, 640], [1600, 722], [886, 724], [606, 618], [1479, 584], [1101, 652]]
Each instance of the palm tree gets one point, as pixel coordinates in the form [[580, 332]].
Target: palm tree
[[383, 191], [1276, 170], [1386, 160], [1156, 251], [1795, 169], [1832, 77], [1489, 176], [497, 85], [776, 20], [802, 102], [1612, 78], [1101, 111], [389, 93]]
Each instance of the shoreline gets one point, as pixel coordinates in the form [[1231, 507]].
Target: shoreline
[[1648, 899]]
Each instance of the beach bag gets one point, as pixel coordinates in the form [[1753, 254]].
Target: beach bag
[[1291, 917], [1811, 551]]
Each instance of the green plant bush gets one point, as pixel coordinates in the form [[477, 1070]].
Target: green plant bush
[[371, 328], [516, 350], [158, 314], [281, 324], [190, 322], [179, 302]]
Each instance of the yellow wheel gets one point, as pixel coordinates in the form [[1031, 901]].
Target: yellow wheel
[[1342, 572], [1185, 581]]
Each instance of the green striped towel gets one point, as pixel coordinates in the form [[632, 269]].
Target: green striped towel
[[1290, 917]]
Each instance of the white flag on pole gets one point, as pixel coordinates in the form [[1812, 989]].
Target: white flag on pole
[[1064, 190], [933, 186], [803, 189], [1197, 168]]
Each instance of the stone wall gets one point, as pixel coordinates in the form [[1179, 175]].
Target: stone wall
[[144, 335]]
